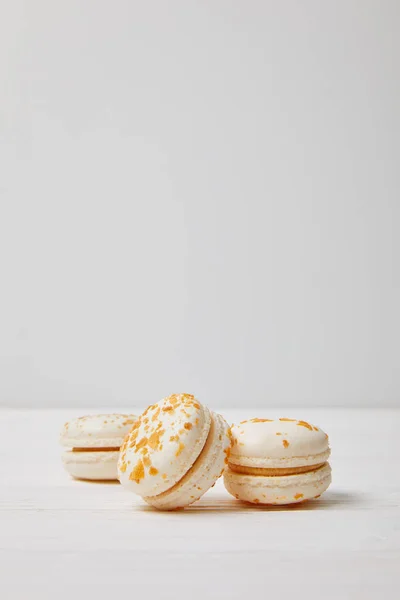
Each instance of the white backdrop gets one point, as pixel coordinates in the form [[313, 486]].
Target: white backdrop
[[199, 196]]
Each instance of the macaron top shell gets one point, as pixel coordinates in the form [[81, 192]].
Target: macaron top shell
[[97, 431], [278, 443], [163, 444]]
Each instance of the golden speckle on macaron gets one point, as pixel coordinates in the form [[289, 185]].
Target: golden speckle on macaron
[[138, 472], [154, 439], [156, 413], [141, 443], [146, 461], [305, 424], [180, 448]]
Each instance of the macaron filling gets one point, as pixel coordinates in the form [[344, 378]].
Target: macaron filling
[[274, 472]]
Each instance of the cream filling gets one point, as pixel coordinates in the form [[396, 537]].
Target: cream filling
[[257, 471]]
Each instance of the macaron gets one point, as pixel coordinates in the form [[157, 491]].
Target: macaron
[[176, 451], [94, 442], [281, 461]]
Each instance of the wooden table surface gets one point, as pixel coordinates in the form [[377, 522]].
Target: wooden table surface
[[64, 539]]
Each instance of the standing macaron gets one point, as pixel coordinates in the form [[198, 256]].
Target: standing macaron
[[176, 451], [280, 461], [94, 442]]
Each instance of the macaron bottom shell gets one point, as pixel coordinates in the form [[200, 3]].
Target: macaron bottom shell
[[92, 465], [281, 490], [203, 474]]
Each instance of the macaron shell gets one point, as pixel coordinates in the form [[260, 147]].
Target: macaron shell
[[92, 465], [208, 467], [97, 431], [278, 490], [278, 443], [163, 445]]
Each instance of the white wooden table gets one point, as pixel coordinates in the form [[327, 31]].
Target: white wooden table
[[64, 539]]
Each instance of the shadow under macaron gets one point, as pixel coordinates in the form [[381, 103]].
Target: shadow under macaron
[[331, 500], [95, 481]]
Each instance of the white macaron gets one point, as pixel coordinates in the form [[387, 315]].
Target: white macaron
[[175, 452], [94, 442], [280, 461]]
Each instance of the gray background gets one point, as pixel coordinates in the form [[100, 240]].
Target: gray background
[[199, 196]]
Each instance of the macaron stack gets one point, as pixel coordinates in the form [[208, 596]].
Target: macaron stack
[[280, 461], [178, 448]]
